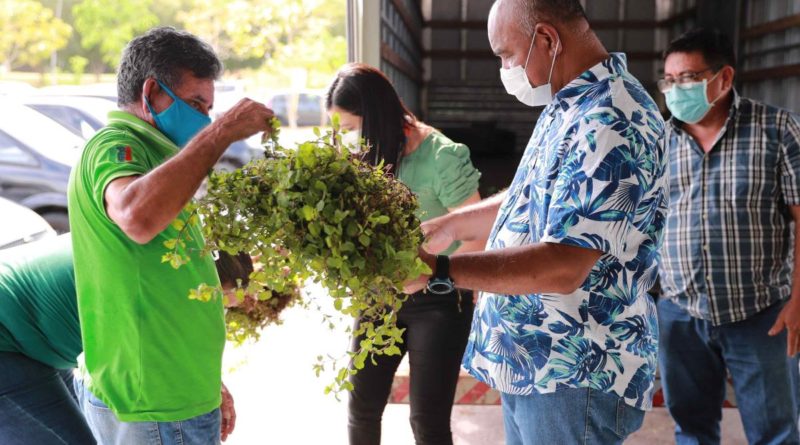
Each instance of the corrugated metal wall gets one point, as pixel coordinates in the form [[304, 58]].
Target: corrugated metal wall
[[462, 84], [401, 48], [770, 53], [462, 80], [437, 54]]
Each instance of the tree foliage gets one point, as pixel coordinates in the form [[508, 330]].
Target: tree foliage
[[278, 35], [30, 33], [108, 25]]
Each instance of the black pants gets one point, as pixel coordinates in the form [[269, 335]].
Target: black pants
[[435, 337]]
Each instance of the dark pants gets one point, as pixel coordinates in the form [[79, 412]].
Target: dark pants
[[435, 337], [695, 360], [37, 406]]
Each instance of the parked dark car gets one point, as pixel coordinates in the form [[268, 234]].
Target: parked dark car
[[84, 115], [37, 151], [36, 155], [81, 115]]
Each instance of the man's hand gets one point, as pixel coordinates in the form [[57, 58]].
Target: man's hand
[[789, 318], [420, 282], [228, 414], [439, 234], [245, 119]]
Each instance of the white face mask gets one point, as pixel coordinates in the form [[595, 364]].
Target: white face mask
[[352, 140], [515, 79]]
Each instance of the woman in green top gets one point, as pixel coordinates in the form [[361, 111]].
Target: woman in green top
[[440, 173], [40, 341]]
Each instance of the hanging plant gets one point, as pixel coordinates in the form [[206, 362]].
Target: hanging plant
[[317, 212]]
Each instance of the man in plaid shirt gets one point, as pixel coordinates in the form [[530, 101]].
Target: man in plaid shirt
[[727, 267]]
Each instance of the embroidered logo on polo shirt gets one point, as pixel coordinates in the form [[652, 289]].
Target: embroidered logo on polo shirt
[[124, 154]]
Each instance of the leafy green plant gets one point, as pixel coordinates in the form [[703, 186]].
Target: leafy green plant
[[319, 213], [245, 321]]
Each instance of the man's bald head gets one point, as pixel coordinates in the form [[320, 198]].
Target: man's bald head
[[530, 12]]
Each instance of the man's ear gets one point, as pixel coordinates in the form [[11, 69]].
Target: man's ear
[[549, 34], [149, 88], [728, 74]]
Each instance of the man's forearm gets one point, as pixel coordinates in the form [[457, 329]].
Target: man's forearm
[[536, 268], [152, 201], [474, 222]]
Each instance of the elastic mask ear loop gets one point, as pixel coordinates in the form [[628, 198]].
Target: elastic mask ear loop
[[553, 64], [713, 102], [167, 90], [530, 49]]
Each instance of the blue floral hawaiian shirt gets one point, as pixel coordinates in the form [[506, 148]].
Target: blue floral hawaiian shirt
[[594, 176]]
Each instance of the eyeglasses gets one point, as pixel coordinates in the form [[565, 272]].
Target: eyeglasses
[[667, 83]]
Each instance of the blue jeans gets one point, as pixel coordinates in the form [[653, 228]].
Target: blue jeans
[[695, 359], [570, 416], [36, 405], [200, 430]]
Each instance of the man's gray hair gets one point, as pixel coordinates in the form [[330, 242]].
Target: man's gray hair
[[163, 53], [531, 12]]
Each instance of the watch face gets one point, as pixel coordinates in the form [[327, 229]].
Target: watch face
[[440, 287]]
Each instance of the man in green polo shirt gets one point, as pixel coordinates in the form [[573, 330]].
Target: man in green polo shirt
[[152, 357]]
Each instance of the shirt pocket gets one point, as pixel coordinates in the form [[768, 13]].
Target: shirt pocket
[[750, 179]]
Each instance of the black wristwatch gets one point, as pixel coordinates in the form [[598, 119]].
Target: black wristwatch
[[441, 283]]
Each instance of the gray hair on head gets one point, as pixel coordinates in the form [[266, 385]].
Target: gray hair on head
[[163, 53], [531, 12]]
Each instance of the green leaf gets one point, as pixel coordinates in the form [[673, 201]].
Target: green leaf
[[314, 229], [309, 213], [393, 350], [334, 262], [178, 224]]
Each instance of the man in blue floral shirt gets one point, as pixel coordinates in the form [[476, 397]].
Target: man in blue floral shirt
[[564, 327]]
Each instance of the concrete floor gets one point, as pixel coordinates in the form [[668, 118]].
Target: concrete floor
[[280, 402]]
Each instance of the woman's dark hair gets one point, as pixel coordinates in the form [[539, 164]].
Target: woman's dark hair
[[234, 267], [366, 92], [716, 47]]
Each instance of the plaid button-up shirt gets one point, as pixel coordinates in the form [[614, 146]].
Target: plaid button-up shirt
[[728, 243]]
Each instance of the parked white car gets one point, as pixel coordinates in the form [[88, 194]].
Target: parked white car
[[21, 225]]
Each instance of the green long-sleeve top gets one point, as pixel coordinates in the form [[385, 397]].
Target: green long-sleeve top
[[441, 174], [38, 306]]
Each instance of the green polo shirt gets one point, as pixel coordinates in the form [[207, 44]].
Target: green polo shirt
[[150, 353]]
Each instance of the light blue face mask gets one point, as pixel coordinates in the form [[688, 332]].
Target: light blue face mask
[[179, 122], [689, 102]]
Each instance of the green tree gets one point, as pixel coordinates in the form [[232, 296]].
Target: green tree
[[30, 33], [108, 25], [275, 34]]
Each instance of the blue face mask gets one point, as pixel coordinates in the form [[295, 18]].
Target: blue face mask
[[179, 122], [689, 102]]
